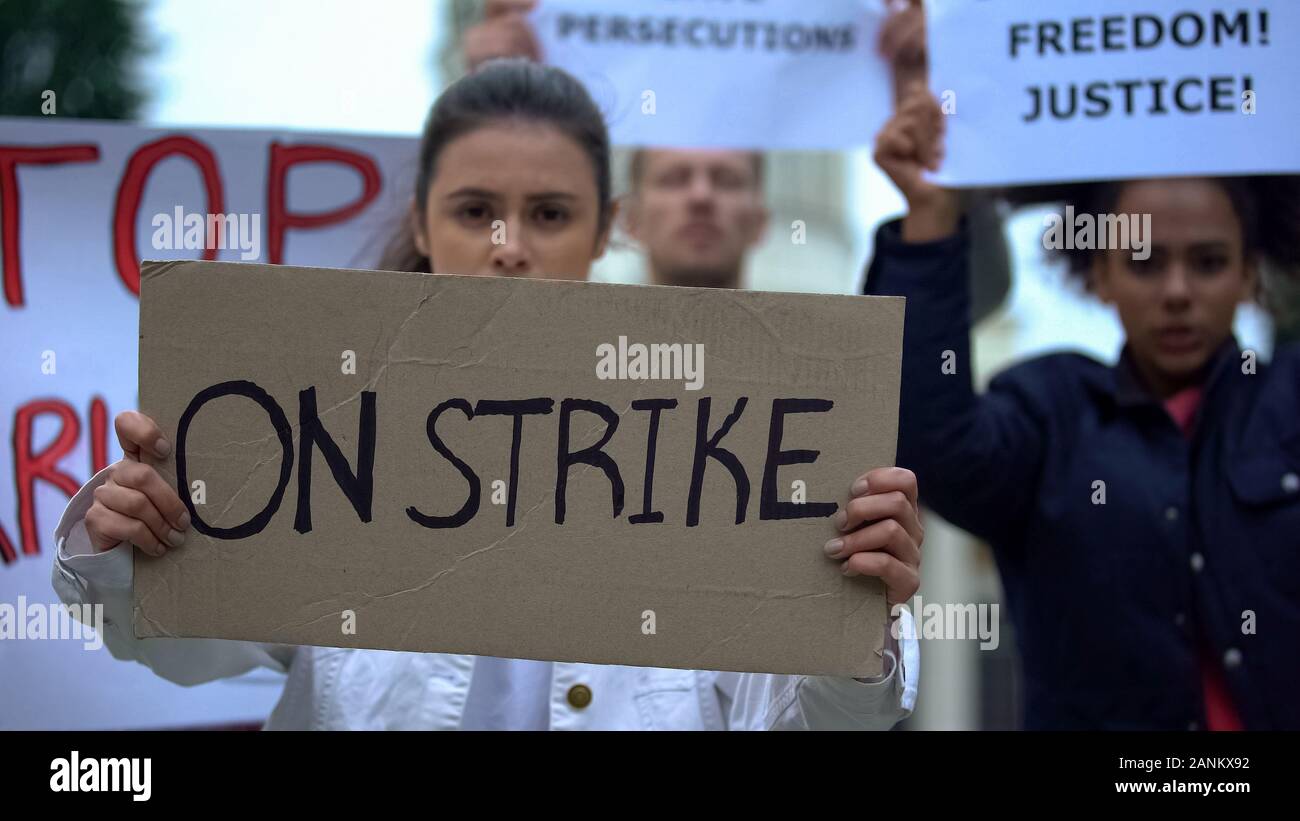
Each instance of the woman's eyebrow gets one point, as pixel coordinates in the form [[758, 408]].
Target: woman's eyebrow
[[483, 193], [470, 191]]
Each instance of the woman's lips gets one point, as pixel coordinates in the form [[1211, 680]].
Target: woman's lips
[[1177, 339]]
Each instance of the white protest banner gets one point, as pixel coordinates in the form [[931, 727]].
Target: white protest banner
[[80, 204], [758, 74], [1102, 89]]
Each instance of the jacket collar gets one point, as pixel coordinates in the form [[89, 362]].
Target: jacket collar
[[1122, 384]]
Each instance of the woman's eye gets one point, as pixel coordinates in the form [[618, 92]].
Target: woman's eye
[[1145, 267], [474, 213], [551, 214], [1209, 263]]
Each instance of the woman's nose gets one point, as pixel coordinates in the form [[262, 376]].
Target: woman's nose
[[510, 256], [1176, 287]]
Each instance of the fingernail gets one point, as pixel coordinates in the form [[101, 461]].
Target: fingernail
[[175, 538], [841, 519], [184, 521], [834, 546], [860, 486], [162, 447]]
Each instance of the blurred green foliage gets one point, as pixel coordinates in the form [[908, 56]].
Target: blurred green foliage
[[85, 51]]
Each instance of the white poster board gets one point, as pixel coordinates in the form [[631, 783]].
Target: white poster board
[[82, 204], [1103, 89], [753, 74]]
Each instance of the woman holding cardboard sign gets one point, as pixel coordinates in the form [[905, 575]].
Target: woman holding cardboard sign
[[520, 149], [1143, 516]]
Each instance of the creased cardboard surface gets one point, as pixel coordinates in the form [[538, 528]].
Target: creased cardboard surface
[[755, 596]]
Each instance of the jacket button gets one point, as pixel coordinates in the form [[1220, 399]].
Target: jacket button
[[1180, 619], [1232, 658], [1198, 561], [1171, 513], [1290, 483], [1193, 726], [579, 696]]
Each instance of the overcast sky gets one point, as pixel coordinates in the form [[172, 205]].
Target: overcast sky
[[336, 65]]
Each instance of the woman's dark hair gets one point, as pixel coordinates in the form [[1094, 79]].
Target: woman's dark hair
[[1268, 209], [503, 90]]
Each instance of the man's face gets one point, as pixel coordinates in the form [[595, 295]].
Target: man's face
[[697, 213]]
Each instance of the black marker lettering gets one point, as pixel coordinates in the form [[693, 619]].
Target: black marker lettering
[[470, 507], [704, 448], [593, 455], [655, 406], [770, 506], [517, 408], [278, 421], [358, 487]]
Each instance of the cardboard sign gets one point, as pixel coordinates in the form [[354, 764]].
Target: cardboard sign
[[517, 468], [1105, 89], [760, 74]]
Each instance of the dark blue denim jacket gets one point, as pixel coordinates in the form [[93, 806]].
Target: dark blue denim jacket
[[1196, 546]]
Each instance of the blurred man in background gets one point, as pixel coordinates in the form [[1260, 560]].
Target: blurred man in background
[[699, 214]]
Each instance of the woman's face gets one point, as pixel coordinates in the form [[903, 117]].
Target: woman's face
[[512, 199], [1178, 305]]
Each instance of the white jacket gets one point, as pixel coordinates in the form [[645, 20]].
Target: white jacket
[[337, 688]]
